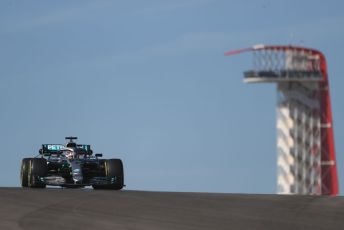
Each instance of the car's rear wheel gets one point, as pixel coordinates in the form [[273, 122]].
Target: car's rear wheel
[[37, 169], [113, 170], [24, 170]]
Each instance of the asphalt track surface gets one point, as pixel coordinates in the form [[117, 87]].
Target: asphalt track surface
[[89, 209]]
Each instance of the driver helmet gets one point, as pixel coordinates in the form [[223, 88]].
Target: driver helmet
[[70, 154]]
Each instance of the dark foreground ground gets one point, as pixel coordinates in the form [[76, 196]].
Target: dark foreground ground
[[85, 209]]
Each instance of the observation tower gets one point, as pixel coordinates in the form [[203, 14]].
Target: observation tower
[[306, 161]]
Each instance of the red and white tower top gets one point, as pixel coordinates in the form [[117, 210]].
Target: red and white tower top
[[305, 142]]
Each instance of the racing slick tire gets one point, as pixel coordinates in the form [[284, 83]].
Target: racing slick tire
[[113, 169], [24, 172], [37, 169]]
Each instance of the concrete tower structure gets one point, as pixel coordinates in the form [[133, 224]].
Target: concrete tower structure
[[306, 161]]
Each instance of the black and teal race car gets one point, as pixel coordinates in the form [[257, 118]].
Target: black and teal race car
[[71, 165]]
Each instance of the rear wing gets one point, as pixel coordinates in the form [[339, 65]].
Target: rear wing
[[87, 148], [48, 149]]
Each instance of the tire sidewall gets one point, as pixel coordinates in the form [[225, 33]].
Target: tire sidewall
[[24, 172]]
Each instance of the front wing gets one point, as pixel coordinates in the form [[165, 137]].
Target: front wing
[[60, 181]]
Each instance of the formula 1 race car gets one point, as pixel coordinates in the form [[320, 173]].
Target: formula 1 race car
[[72, 165]]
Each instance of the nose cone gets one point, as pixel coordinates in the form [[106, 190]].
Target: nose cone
[[77, 176]]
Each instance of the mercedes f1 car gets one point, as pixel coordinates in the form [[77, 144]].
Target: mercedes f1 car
[[71, 165]]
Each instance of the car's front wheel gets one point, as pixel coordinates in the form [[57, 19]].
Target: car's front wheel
[[37, 169], [113, 170]]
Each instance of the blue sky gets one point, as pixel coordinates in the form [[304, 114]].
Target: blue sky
[[146, 81]]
